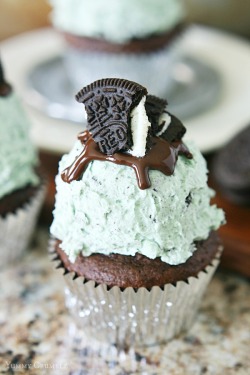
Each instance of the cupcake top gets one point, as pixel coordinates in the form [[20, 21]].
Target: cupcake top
[[17, 154], [130, 185], [103, 19]]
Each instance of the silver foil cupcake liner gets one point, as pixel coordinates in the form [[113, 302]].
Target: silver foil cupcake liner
[[17, 228], [152, 69], [133, 318]]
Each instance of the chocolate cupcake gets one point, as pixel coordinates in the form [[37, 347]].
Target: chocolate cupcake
[[133, 39], [21, 185], [133, 228]]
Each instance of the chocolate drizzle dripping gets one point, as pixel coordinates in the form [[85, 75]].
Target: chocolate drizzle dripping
[[162, 156], [5, 88]]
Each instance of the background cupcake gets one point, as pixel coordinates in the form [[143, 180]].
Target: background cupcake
[[134, 39], [133, 226], [21, 186]]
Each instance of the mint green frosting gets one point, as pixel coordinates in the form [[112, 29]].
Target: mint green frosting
[[116, 20], [106, 212], [17, 154]]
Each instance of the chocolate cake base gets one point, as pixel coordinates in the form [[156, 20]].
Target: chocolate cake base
[[19, 198], [139, 271], [149, 44]]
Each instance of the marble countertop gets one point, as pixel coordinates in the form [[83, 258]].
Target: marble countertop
[[36, 332]]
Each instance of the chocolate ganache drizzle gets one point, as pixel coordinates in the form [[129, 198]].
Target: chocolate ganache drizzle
[[108, 105]]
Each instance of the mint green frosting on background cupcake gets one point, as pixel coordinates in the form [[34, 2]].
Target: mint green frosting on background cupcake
[[17, 154], [106, 212], [116, 20]]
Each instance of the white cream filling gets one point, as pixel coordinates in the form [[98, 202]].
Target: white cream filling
[[139, 127], [164, 117]]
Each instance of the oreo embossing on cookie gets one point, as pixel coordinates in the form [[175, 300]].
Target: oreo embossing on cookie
[[108, 103]]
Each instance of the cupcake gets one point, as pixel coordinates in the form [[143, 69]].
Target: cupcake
[[133, 228], [133, 39], [21, 186]]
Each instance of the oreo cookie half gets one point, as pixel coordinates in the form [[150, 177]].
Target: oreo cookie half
[[108, 103]]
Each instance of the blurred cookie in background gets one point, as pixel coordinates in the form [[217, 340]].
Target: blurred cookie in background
[[230, 177], [231, 169]]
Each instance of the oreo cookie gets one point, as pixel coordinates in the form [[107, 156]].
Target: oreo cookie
[[111, 122], [154, 108], [175, 131], [5, 88], [108, 104], [230, 169]]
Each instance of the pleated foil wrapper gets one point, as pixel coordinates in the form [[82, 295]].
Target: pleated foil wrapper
[[133, 318], [16, 228], [152, 70]]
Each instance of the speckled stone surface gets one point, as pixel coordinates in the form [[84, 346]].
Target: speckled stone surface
[[37, 337]]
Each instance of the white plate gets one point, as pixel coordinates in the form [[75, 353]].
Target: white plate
[[193, 87], [227, 54]]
